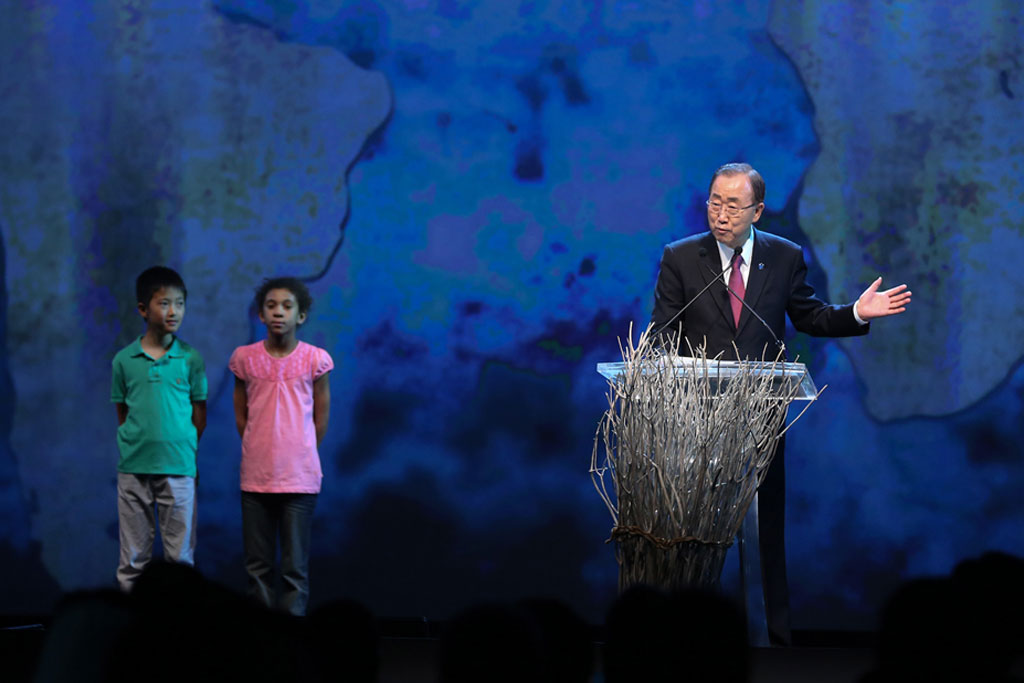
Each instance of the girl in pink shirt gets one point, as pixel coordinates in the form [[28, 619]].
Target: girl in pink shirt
[[282, 403]]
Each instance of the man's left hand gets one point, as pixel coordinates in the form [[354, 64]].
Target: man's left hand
[[875, 304]]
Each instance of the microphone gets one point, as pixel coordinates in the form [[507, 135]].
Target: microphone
[[718, 276], [702, 253]]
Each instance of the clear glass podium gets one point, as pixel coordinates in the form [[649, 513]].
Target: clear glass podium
[[789, 380], [705, 430]]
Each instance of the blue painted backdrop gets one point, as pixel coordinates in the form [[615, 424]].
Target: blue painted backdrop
[[478, 192]]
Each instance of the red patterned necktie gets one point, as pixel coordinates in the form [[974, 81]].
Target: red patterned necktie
[[737, 287]]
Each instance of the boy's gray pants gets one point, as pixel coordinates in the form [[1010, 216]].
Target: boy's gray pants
[[174, 498]]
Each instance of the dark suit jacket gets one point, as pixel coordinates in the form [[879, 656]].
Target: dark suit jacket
[[776, 286]]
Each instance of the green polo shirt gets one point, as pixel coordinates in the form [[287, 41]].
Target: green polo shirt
[[158, 437]]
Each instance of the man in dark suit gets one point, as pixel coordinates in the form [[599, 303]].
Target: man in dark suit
[[769, 274]]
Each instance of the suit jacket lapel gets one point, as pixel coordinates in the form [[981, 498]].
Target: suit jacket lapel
[[760, 264], [711, 269]]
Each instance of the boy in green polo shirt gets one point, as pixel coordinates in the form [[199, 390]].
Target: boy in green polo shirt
[[159, 389]]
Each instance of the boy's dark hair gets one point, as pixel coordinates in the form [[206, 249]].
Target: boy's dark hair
[[293, 285], [153, 279]]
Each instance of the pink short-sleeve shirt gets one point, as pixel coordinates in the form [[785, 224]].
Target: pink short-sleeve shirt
[[279, 452]]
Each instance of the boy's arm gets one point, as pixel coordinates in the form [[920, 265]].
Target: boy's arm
[[321, 405], [118, 390], [199, 417], [199, 388], [241, 406]]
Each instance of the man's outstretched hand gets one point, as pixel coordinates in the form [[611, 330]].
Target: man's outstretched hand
[[875, 304]]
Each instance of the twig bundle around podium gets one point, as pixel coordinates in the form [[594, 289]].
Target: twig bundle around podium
[[683, 454]]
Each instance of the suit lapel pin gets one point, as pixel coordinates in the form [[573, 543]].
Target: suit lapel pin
[[760, 266]]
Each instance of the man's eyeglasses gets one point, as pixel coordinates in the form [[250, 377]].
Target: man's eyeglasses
[[732, 211]]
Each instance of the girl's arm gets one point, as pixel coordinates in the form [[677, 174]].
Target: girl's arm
[[199, 417], [122, 413], [321, 405], [241, 406]]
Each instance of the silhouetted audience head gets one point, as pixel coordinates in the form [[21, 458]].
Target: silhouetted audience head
[[495, 643], [174, 625], [656, 637], [83, 639], [344, 639], [920, 633], [566, 642], [967, 627], [992, 587], [229, 637]]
